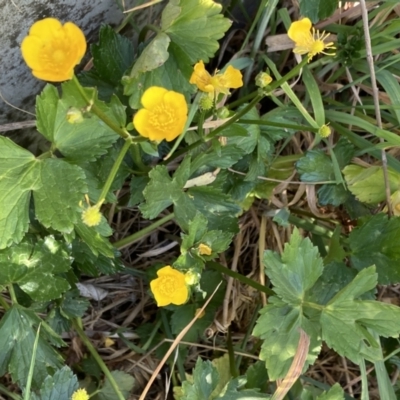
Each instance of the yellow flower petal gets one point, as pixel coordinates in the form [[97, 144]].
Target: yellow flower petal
[[218, 83], [164, 114], [201, 78], [232, 78], [52, 50], [169, 287], [299, 30], [308, 40]]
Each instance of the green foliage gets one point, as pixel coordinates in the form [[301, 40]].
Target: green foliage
[[317, 9], [85, 140], [294, 275], [167, 58], [204, 384], [18, 329], [376, 242], [59, 386], [125, 384], [368, 184], [112, 56]]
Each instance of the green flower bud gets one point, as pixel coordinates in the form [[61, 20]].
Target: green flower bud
[[324, 131], [263, 79]]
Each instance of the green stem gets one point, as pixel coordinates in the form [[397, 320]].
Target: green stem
[[218, 130], [9, 394], [240, 277], [47, 154], [313, 305], [3, 303], [114, 170], [137, 158], [143, 232], [96, 110], [96, 356], [12, 294]]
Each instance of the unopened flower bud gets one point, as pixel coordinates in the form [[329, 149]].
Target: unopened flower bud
[[324, 131], [263, 79]]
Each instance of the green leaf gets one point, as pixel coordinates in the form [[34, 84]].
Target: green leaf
[[181, 18], [315, 166], [85, 140], [60, 386], [334, 393], [37, 265], [352, 318], [205, 380], [73, 305], [153, 56], [231, 391], [112, 56], [317, 9], [220, 211], [17, 178], [332, 194], [56, 205], [160, 193], [174, 74], [125, 383], [18, 328], [95, 240], [296, 270], [278, 327], [368, 184], [376, 242], [46, 111]]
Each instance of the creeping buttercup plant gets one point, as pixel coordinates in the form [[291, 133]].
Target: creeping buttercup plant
[[197, 146]]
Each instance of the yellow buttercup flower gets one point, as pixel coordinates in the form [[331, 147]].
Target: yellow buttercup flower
[[91, 216], [164, 114], [80, 394], [169, 287], [52, 50], [308, 40], [218, 83]]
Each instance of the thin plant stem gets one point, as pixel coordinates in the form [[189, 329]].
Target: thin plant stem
[[97, 357], [120, 244], [12, 294], [244, 279], [375, 96], [12, 396], [32, 366], [114, 170], [96, 110], [4, 304]]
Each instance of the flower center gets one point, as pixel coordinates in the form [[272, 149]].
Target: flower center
[[168, 285], [59, 56], [317, 47], [162, 117]]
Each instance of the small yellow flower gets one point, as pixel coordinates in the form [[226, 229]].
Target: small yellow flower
[[219, 83], [170, 287], [52, 50], [204, 250], [80, 394], [308, 40], [164, 114], [91, 216]]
